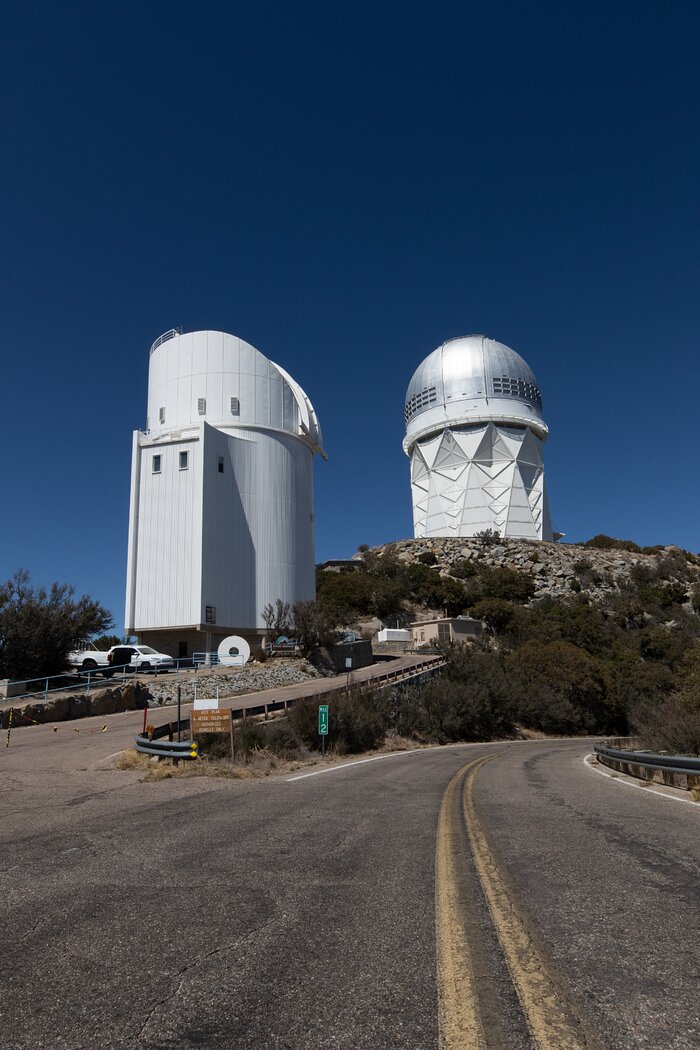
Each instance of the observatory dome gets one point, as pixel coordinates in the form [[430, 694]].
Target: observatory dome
[[471, 380], [217, 378]]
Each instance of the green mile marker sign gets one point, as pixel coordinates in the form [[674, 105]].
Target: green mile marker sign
[[323, 719]]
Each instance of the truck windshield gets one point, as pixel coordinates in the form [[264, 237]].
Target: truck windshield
[[146, 650]]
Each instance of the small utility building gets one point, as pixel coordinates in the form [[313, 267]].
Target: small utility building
[[446, 630]]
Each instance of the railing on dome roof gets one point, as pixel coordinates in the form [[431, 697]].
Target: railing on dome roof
[[165, 336]]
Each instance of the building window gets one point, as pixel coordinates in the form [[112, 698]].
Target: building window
[[155, 465], [202, 406], [210, 616], [443, 633], [184, 457], [161, 415], [235, 406], [221, 464]]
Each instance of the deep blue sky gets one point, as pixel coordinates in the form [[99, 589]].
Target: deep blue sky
[[345, 186]]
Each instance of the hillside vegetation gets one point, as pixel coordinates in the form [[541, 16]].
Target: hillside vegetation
[[599, 638]]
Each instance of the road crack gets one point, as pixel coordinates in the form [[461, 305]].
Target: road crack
[[181, 975]]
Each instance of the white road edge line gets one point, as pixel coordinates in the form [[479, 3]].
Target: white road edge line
[[640, 787], [361, 762]]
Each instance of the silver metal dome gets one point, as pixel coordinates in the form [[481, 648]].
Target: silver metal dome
[[471, 380]]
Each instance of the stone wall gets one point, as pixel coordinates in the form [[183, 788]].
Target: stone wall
[[131, 697]]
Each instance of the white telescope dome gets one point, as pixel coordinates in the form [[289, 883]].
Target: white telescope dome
[[471, 380], [217, 378]]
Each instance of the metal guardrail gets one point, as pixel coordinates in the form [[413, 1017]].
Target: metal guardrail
[[153, 743], [668, 766]]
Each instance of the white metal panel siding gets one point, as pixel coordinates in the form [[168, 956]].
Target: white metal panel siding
[[258, 525], [169, 537], [217, 367]]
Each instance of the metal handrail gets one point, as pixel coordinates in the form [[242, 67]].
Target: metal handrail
[[170, 334], [67, 680]]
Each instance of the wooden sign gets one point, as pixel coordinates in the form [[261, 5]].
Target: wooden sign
[[211, 720]]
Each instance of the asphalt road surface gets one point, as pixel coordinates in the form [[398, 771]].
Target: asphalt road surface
[[420, 901]]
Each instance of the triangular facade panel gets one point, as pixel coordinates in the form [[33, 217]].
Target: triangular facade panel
[[485, 477]]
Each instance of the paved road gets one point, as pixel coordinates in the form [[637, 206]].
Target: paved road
[[302, 914]]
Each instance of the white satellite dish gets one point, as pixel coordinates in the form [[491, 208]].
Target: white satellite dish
[[234, 651]]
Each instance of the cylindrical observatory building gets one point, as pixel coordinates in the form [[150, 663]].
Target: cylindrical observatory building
[[221, 519], [474, 435]]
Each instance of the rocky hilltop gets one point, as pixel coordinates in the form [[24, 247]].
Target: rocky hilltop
[[558, 569]]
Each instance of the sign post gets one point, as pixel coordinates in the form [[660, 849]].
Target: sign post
[[323, 725]]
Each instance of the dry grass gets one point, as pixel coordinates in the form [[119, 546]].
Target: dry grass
[[523, 733], [260, 763], [395, 742]]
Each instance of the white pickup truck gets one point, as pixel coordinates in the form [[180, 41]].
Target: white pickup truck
[[91, 659]]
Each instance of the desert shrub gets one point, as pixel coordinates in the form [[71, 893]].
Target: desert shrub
[[488, 537], [663, 644], [426, 587], [663, 595], [470, 700], [259, 654], [277, 619], [508, 584], [39, 627], [672, 725], [632, 680], [575, 585], [280, 738], [463, 569], [496, 613], [644, 573], [357, 721], [410, 720], [428, 558], [248, 735], [562, 689], [213, 745], [314, 623], [585, 573], [346, 595], [610, 543]]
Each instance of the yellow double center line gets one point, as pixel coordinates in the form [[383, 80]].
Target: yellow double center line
[[552, 1024]]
